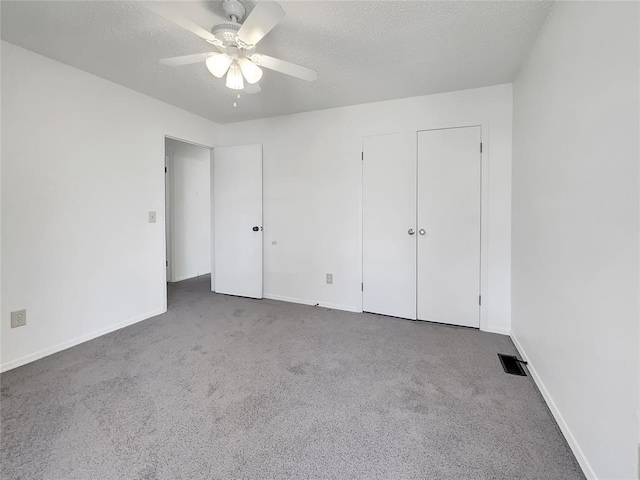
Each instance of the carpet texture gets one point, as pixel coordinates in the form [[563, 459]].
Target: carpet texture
[[221, 387]]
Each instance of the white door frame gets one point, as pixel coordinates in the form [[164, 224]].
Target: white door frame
[[163, 216], [484, 208], [168, 217]]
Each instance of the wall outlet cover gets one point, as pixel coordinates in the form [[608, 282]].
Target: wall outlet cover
[[18, 318]]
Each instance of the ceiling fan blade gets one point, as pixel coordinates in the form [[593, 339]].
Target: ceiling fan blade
[[185, 59], [281, 66], [182, 22], [264, 16], [252, 88]]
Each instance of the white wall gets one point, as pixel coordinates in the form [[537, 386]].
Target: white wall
[[575, 228], [82, 165], [312, 181], [190, 225]]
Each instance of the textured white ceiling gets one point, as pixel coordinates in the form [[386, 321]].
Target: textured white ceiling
[[364, 51]]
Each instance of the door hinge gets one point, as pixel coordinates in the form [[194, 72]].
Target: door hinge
[[479, 299], [362, 287], [165, 169], [167, 263], [480, 147], [362, 156]]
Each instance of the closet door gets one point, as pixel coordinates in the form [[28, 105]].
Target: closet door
[[388, 225], [449, 183]]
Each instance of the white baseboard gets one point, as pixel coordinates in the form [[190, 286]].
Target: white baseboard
[[346, 308], [188, 276], [32, 357], [181, 278], [575, 448], [500, 331]]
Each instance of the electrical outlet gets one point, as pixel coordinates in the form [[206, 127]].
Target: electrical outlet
[[152, 217], [330, 278], [18, 318]]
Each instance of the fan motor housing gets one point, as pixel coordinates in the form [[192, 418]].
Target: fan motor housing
[[226, 31]]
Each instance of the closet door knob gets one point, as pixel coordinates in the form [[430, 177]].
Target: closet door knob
[[422, 231], [411, 231]]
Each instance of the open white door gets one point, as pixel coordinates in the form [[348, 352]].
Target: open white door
[[237, 221], [388, 225]]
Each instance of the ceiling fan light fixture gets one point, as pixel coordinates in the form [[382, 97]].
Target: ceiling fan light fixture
[[252, 72], [236, 58], [234, 77], [218, 64]]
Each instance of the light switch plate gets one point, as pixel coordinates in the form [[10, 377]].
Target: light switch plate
[[330, 278], [152, 217], [18, 318]]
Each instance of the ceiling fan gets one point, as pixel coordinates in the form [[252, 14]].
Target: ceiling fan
[[235, 43]]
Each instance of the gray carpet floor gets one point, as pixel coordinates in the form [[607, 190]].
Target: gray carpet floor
[[221, 387]]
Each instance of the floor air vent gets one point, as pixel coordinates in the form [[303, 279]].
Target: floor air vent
[[512, 365]]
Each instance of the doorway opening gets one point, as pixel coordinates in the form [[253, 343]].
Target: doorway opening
[[187, 210]]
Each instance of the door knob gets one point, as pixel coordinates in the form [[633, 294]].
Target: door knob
[[422, 231], [411, 231], [255, 229]]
